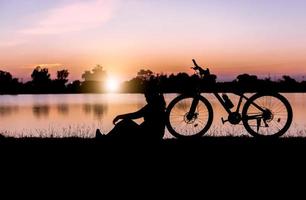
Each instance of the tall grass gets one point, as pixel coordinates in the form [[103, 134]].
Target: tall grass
[[88, 131], [70, 131]]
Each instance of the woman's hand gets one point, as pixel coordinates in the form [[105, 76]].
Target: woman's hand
[[117, 119], [131, 116]]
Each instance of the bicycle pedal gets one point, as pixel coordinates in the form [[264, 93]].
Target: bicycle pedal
[[224, 121]]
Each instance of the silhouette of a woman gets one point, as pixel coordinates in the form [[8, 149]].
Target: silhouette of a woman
[[153, 127]]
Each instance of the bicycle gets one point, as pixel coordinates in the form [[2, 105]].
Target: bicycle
[[264, 115]]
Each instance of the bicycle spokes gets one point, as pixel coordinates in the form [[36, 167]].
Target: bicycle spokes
[[186, 123], [271, 120]]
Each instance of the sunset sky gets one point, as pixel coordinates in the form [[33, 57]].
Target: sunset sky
[[230, 36]]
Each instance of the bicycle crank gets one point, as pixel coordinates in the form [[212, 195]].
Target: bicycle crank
[[234, 118]]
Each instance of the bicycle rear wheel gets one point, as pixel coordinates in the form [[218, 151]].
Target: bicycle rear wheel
[[178, 123], [272, 120]]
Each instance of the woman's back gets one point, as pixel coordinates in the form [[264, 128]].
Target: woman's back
[[154, 117]]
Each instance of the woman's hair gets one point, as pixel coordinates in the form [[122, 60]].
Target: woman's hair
[[155, 98]]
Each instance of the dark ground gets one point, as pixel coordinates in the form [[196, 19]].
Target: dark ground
[[225, 162], [207, 147]]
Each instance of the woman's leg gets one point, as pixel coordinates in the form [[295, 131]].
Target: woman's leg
[[126, 128]]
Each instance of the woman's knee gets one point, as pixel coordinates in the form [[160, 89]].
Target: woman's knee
[[127, 124]]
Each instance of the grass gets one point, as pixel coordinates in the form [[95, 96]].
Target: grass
[[231, 142], [86, 131], [200, 142]]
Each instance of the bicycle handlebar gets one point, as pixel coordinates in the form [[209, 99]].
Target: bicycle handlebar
[[200, 69], [195, 63]]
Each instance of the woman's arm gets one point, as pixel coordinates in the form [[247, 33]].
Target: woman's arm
[[135, 115]]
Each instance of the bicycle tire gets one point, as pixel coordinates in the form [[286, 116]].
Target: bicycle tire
[[203, 131], [283, 130]]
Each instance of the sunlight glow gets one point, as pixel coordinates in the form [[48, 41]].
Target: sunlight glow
[[112, 85]]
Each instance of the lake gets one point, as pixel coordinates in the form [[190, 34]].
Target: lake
[[79, 115]]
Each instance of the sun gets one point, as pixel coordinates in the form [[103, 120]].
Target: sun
[[112, 85]]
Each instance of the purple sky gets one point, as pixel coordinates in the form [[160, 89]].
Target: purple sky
[[231, 36]]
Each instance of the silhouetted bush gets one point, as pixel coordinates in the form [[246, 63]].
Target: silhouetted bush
[[8, 84], [93, 82]]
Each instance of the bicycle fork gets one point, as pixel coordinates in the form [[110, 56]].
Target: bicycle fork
[[192, 112]]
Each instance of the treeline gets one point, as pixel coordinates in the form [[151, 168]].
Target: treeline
[[93, 82], [184, 83], [41, 82]]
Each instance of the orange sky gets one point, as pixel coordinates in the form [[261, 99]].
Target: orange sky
[[231, 37]]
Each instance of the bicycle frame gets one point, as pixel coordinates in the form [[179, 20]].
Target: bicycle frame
[[217, 95], [199, 70], [229, 111], [242, 97]]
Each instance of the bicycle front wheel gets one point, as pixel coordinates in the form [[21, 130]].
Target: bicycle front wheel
[[182, 126], [267, 115]]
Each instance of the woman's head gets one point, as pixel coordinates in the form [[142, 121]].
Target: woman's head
[[153, 97]]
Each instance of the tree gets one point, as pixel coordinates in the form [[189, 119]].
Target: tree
[[5, 77], [247, 79], [97, 74], [59, 84], [40, 75], [41, 81], [74, 87], [289, 84], [63, 76], [144, 74], [8, 84], [94, 80], [288, 80]]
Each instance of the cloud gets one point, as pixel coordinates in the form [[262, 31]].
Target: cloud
[[76, 16], [12, 42], [50, 65]]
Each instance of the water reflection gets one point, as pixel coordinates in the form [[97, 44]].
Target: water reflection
[[40, 111], [98, 110], [8, 110], [63, 109], [87, 108], [81, 115]]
